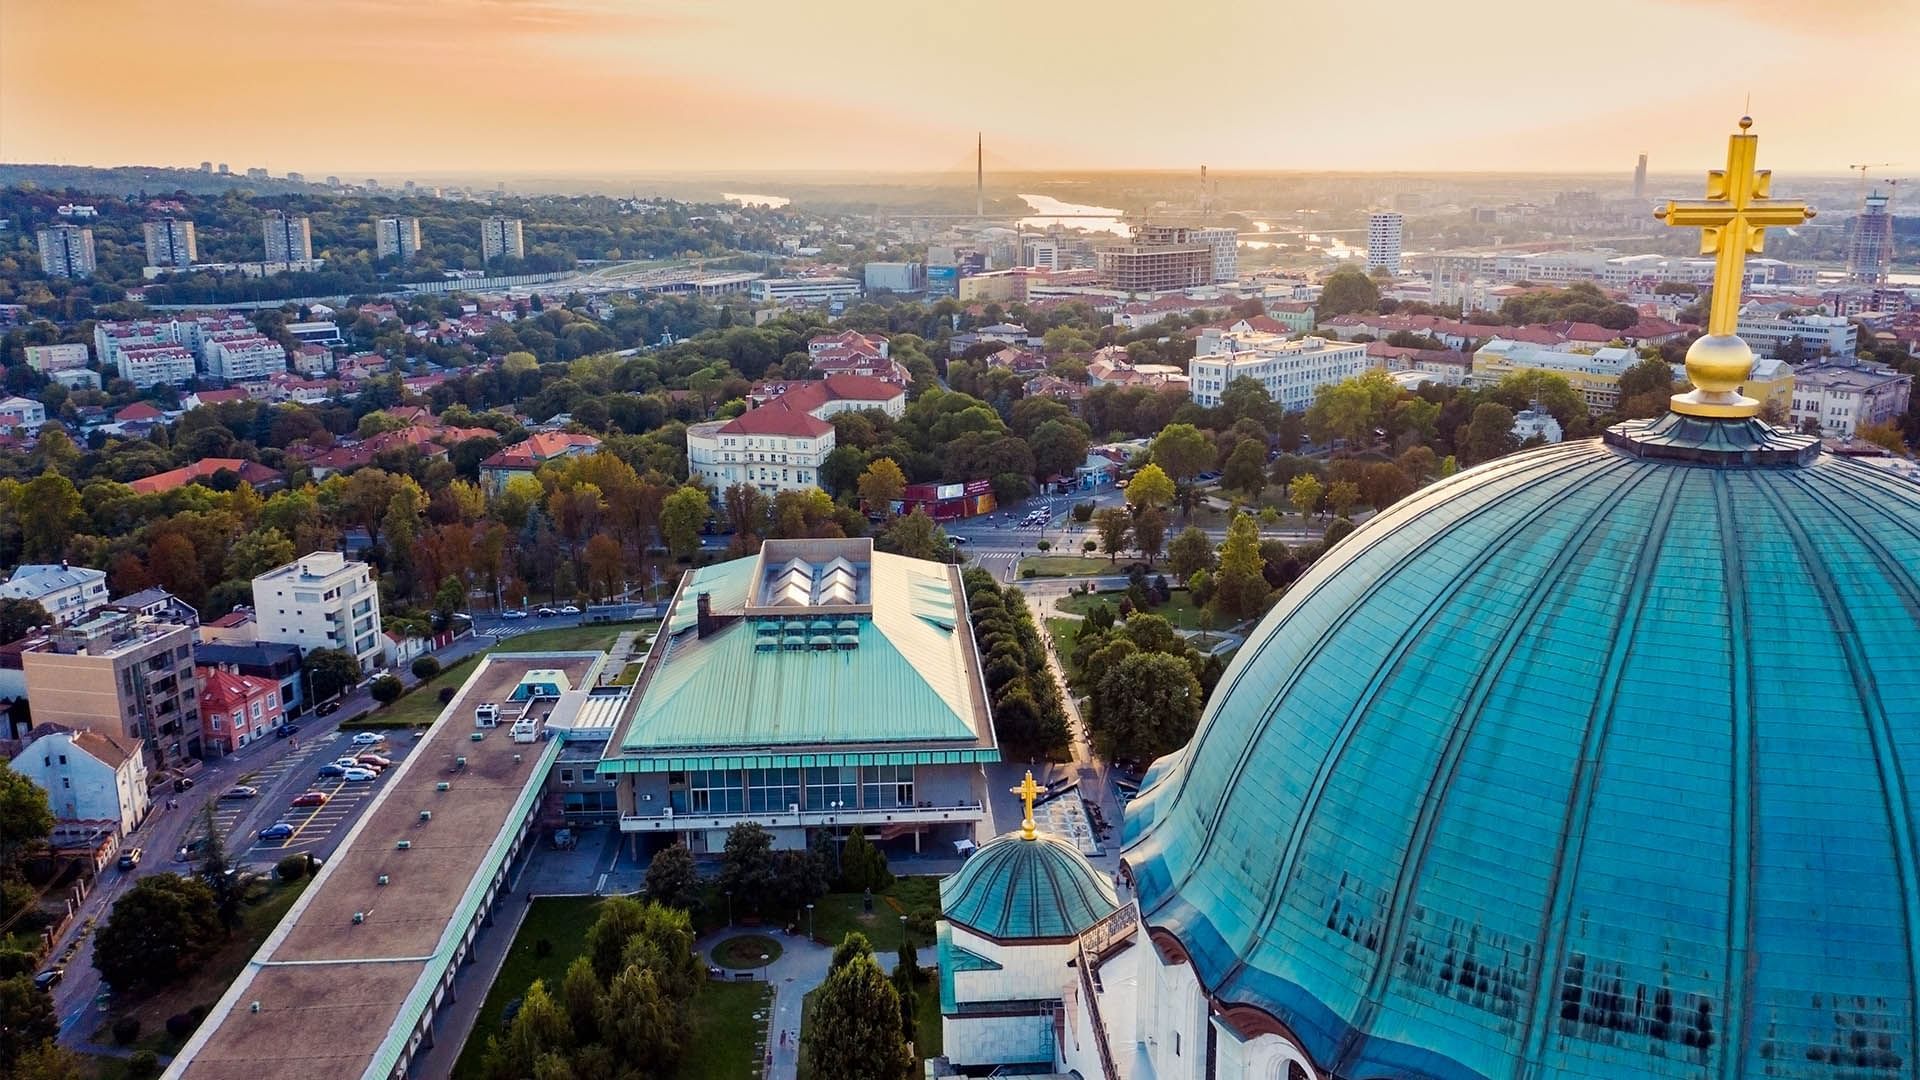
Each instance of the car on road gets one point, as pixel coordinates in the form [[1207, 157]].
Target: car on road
[[286, 730], [49, 978], [546, 613], [327, 708], [372, 759], [240, 791], [330, 771], [570, 609], [369, 738], [311, 798], [279, 830], [513, 614], [958, 539], [130, 858], [360, 775]]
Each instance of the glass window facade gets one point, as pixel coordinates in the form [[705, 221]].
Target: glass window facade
[[832, 787], [772, 791], [886, 785], [716, 791]]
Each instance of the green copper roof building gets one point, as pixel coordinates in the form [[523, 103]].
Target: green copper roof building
[[1601, 760]]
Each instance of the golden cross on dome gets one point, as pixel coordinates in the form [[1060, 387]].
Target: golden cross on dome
[[1733, 220], [1028, 791]]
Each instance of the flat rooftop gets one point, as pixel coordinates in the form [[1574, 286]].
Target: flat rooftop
[[331, 991]]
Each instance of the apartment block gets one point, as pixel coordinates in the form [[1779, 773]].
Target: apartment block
[[321, 601], [1159, 258], [500, 238], [1385, 230], [66, 251], [289, 237], [171, 242], [122, 674], [397, 237], [1290, 371]]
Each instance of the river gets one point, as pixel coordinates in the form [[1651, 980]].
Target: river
[[1049, 211], [771, 202]]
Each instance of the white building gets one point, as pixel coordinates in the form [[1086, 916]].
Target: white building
[[66, 251], [1537, 423], [22, 414], [289, 237], [1818, 335], [396, 237], [155, 365], [1225, 243], [234, 355], [76, 378], [781, 445], [500, 238], [48, 359], [1291, 371], [900, 277], [809, 290], [87, 775], [171, 243], [68, 593], [321, 601], [1384, 232], [1596, 375], [1842, 396]]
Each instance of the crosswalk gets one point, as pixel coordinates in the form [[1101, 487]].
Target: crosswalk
[[997, 560], [502, 632]]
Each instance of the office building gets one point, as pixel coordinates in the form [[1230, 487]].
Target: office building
[[806, 290], [1870, 250], [1816, 335], [66, 251], [899, 277], [321, 601], [500, 238], [815, 688], [289, 237], [67, 593], [1384, 234], [397, 238], [1839, 397], [781, 444], [123, 674], [1159, 258], [1225, 243], [90, 776], [1290, 371], [170, 243]]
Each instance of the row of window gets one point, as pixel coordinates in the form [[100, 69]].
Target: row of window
[[773, 791]]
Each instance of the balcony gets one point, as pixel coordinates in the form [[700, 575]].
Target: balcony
[[668, 821]]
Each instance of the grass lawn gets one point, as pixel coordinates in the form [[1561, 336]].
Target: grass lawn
[[211, 979], [1178, 609], [1065, 634], [562, 922], [744, 952], [1066, 566], [839, 914], [421, 706], [727, 1041]]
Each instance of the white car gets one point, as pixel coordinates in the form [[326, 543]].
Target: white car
[[570, 610], [369, 738], [359, 775]]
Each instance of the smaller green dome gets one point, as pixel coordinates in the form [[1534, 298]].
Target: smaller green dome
[[1017, 889]]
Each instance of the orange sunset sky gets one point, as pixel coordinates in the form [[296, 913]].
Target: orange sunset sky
[[359, 87]]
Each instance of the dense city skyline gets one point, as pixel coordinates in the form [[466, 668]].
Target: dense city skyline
[[580, 85]]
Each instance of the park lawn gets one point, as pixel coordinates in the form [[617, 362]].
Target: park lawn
[[1178, 609], [727, 1042], [209, 980], [839, 914], [1065, 634], [562, 922], [1067, 566], [421, 705]]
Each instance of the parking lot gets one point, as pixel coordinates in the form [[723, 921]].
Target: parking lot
[[319, 828]]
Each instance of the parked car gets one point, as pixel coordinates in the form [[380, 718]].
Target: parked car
[[327, 708], [240, 791], [369, 738], [331, 771], [360, 775], [570, 609], [347, 761], [374, 760], [311, 798], [279, 830], [545, 613], [513, 614], [49, 978], [130, 857], [182, 783], [285, 730], [191, 849]]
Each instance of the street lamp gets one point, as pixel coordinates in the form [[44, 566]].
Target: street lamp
[[903, 932], [729, 893], [809, 922]]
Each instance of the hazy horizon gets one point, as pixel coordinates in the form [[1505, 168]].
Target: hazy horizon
[[575, 88]]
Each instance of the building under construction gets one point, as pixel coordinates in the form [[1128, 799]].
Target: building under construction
[[1871, 251]]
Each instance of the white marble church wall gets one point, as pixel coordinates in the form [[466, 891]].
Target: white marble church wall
[[1173, 1020], [997, 1040], [1027, 972]]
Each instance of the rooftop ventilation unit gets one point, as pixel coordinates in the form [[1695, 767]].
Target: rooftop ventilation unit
[[381, 880], [403, 845], [426, 816]]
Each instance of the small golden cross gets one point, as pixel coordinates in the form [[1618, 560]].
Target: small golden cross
[[1733, 220], [1028, 791]]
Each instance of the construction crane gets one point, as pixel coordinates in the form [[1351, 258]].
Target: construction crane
[[1862, 170]]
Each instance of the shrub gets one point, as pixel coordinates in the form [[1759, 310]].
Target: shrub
[[920, 924], [1083, 512], [1089, 546], [143, 1065], [425, 667], [447, 694], [291, 868], [126, 1030], [1044, 545], [180, 1025], [386, 689], [199, 1012]]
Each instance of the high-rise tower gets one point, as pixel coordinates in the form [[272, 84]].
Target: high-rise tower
[[1871, 251], [1640, 178], [979, 175]]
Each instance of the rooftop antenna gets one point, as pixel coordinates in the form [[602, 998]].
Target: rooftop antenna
[[1206, 200], [979, 175]]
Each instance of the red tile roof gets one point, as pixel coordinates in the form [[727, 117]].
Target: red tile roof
[[544, 446], [250, 471], [138, 411], [221, 691]]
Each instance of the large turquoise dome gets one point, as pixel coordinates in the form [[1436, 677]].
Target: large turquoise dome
[[1601, 760]]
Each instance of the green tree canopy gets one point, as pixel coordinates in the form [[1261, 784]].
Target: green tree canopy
[[1191, 551], [1146, 705], [681, 517], [1240, 585], [1115, 527], [1346, 292], [1151, 486], [672, 877], [746, 866], [854, 1027], [157, 932], [330, 672], [1183, 451]]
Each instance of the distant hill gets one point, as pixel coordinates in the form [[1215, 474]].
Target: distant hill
[[134, 179]]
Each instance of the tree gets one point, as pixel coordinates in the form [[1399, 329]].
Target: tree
[[681, 517], [158, 931], [580, 993], [1115, 527], [386, 689], [915, 536], [47, 1061], [47, 510], [1150, 531], [539, 1028], [1246, 399], [425, 667], [1150, 487], [881, 486], [856, 1028], [1488, 435], [863, 867], [1190, 552], [26, 1020], [746, 867], [330, 672], [1182, 451], [672, 878], [1304, 493], [1059, 448], [906, 977], [1240, 586], [1341, 497], [1246, 469], [1645, 389], [215, 871], [606, 565], [25, 819], [18, 616], [1146, 705], [854, 946], [639, 1024], [1347, 292]]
